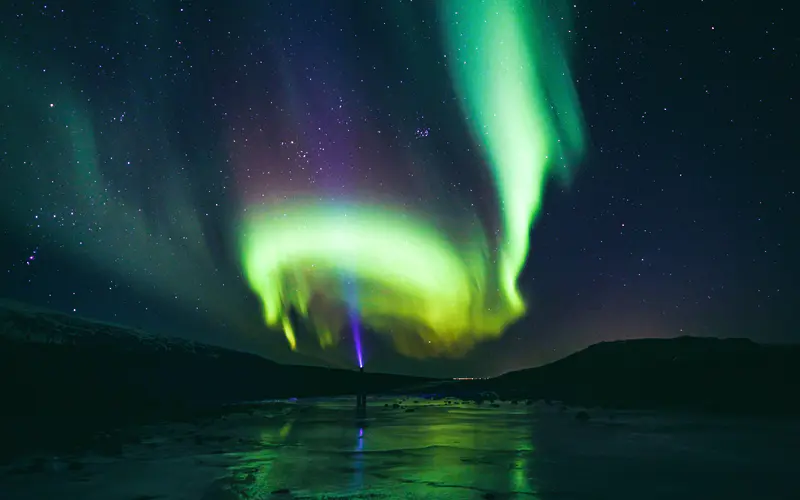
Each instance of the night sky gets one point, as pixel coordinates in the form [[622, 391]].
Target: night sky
[[135, 136]]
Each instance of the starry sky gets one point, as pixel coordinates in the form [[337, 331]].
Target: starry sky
[[134, 135]]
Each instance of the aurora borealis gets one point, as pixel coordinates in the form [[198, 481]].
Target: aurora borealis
[[434, 292], [459, 187]]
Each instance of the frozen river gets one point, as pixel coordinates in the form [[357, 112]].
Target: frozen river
[[427, 450]]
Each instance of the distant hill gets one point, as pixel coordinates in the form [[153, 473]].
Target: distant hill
[[692, 373], [71, 372]]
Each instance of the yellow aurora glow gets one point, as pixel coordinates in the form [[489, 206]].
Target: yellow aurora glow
[[435, 294]]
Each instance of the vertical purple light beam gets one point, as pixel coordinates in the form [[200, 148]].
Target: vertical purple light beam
[[355, 318], [356, 325]]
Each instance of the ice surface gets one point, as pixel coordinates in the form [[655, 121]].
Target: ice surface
[[428, 450]]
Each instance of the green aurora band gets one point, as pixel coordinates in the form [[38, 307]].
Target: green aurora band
[[434, 291]]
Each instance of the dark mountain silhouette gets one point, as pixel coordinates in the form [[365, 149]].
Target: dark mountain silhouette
[[63, 374], [689, 373]]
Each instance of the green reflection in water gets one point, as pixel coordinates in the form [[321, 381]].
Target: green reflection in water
[[436, 451]]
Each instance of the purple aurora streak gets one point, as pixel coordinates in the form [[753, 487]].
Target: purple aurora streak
[[356, 325]]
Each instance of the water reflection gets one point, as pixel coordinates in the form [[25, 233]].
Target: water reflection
[[437, 450], [358, 462], [427, 449]]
